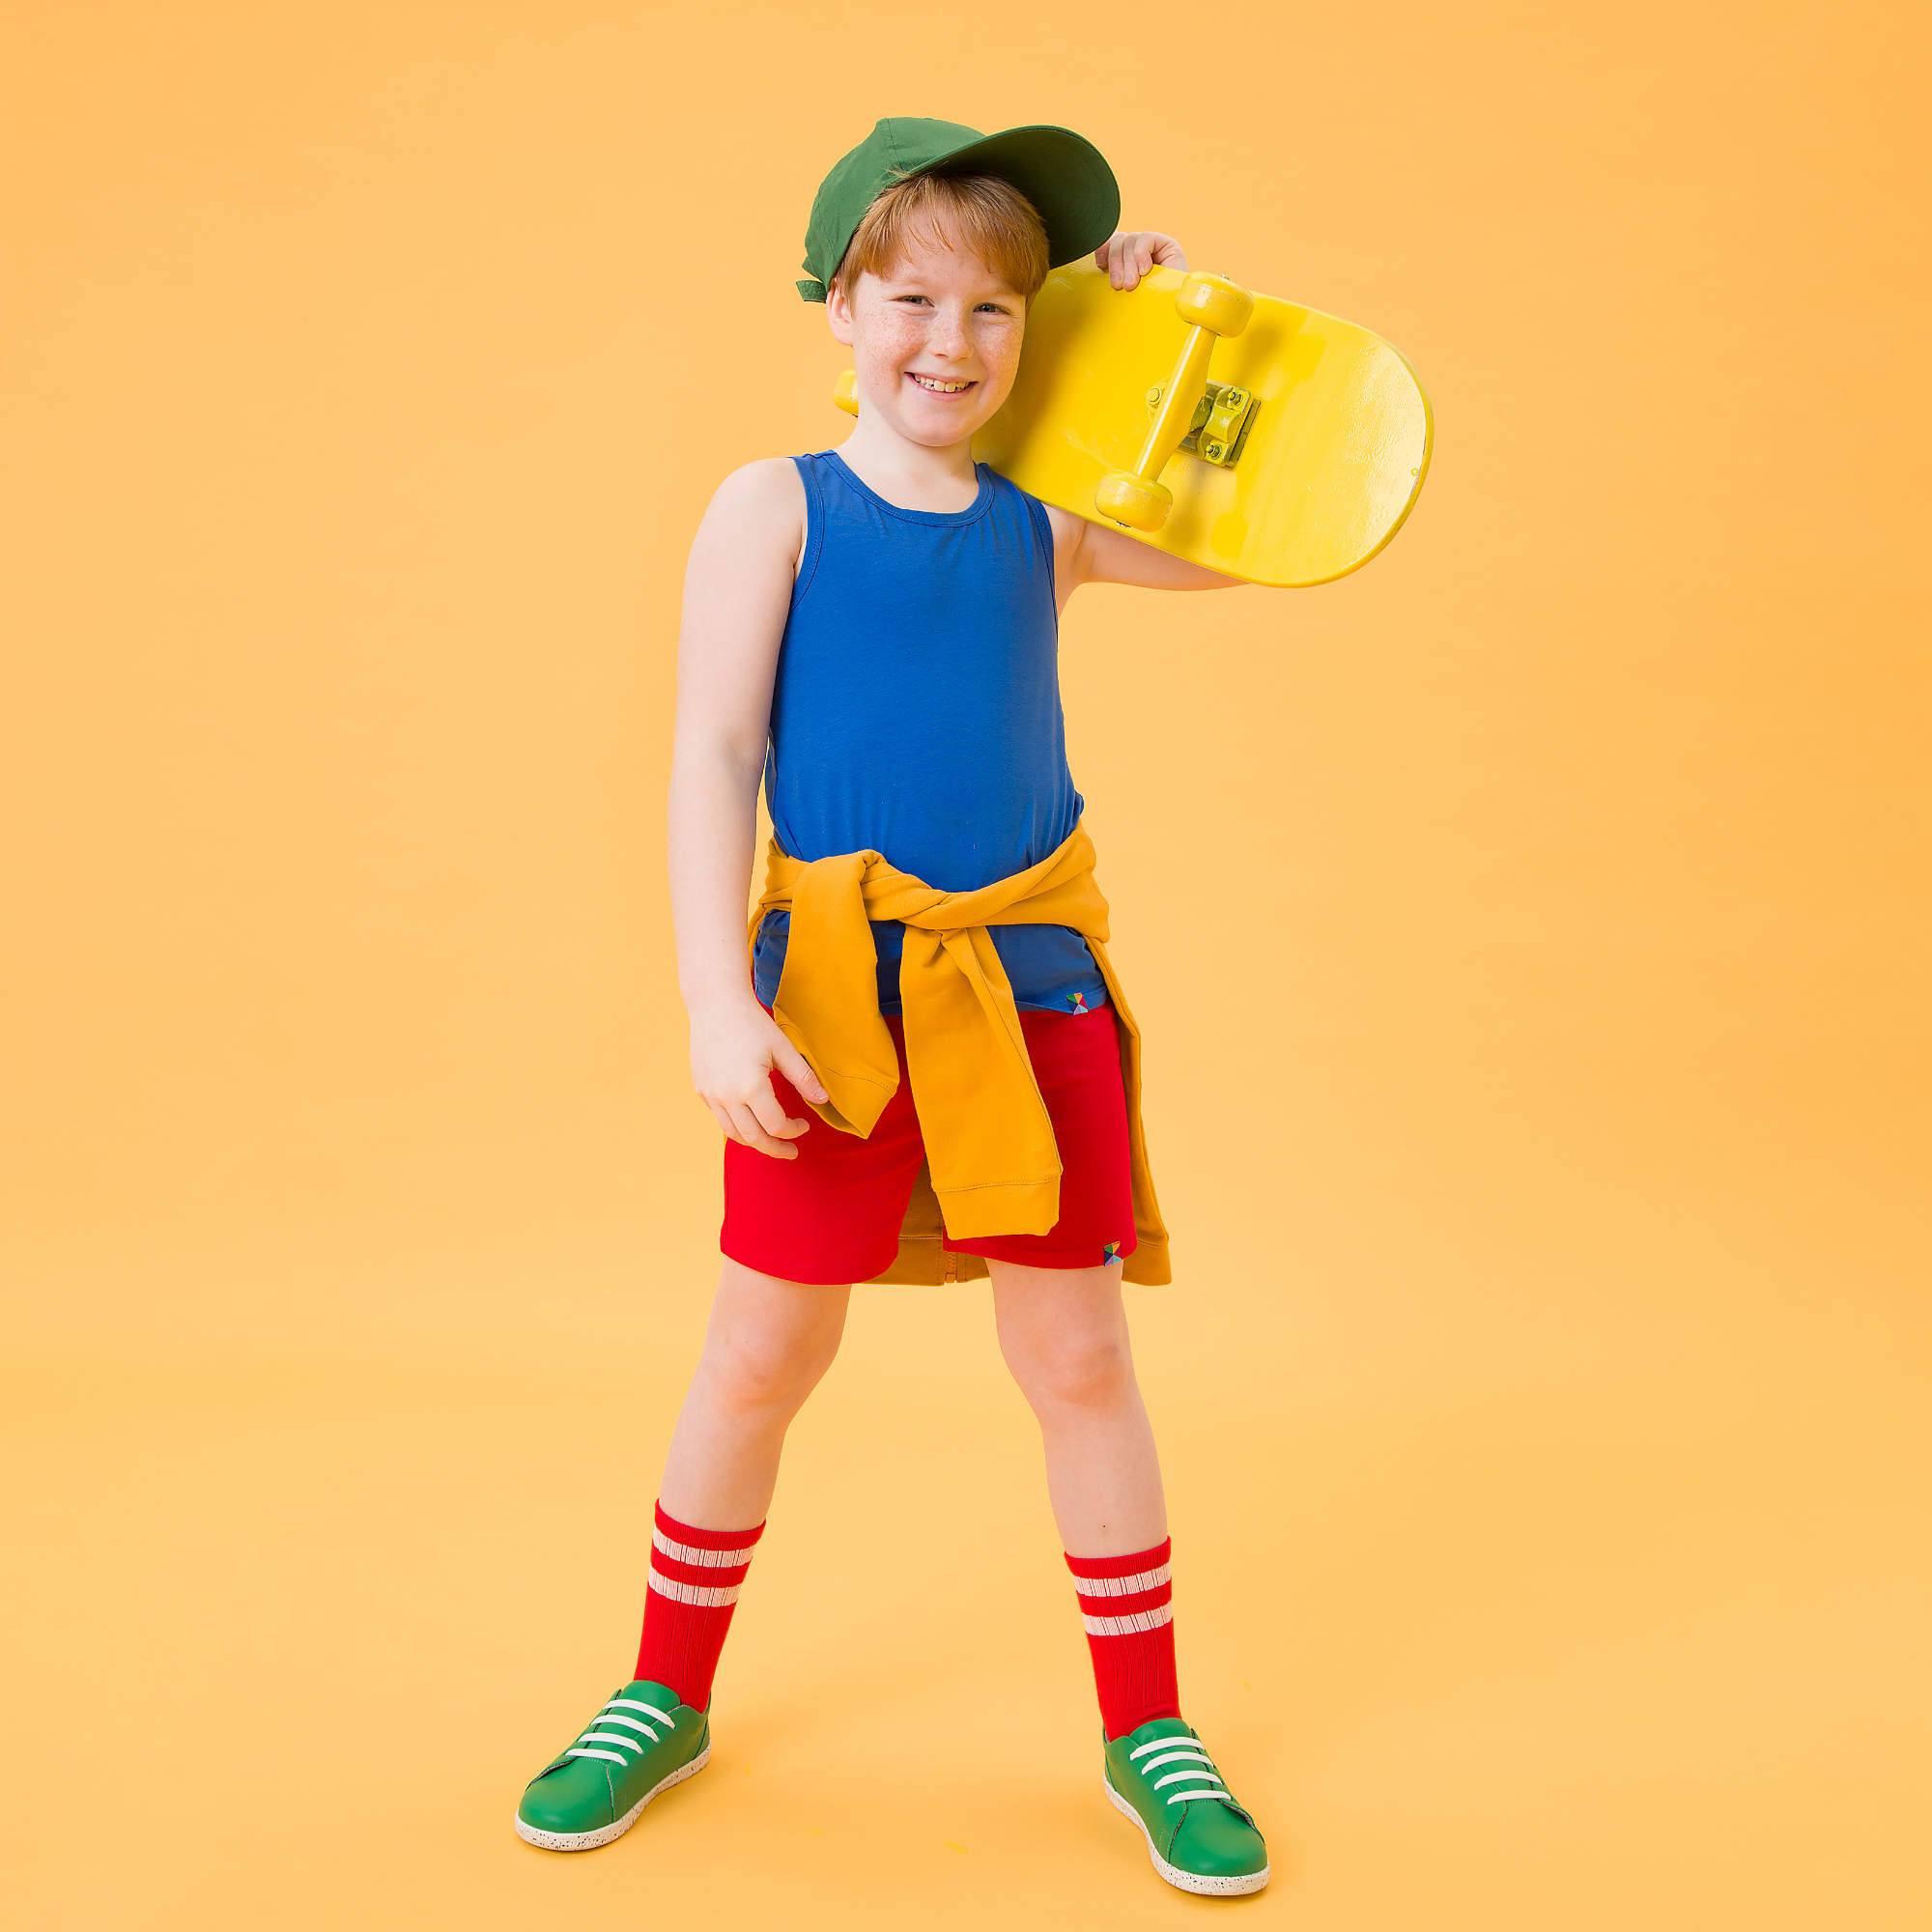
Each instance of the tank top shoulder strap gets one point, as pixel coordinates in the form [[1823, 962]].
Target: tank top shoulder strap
[[814, 521], [1035, 513]]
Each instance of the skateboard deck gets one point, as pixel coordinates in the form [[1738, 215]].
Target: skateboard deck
[[1271, 441]]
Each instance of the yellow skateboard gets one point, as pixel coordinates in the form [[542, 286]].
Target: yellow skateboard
[[1261, 439]]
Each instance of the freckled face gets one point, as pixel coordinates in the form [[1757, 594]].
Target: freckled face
[[940, 314]]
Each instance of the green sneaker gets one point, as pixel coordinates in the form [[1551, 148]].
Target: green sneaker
[[1161, 1777], [640, 1743]]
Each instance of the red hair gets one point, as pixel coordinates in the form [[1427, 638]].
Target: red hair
[[980, 215]]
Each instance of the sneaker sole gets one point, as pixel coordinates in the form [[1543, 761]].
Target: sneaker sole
[[587, 1841], [1227, 1886]]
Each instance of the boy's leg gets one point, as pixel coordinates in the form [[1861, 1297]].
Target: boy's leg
[[1064, 1335], [768, 1344], [795, 1235]]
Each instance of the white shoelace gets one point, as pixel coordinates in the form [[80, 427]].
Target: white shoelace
[[1184, 1751], [613, 1714], [1197, 1767]]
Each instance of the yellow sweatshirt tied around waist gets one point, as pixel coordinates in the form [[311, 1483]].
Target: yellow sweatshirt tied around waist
[[992, 1164]]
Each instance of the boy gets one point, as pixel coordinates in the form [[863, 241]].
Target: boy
[[875, 630]]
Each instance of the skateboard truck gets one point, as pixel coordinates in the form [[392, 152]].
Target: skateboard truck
[[1222, 418], [1212, 307]]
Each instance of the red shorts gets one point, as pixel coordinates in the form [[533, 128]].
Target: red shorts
[[836, 1213]]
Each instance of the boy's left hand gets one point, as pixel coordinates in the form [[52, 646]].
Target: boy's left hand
[[1127, 255]]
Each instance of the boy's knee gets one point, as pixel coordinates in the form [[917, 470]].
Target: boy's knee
[[769, 1367], [1091, 1370]]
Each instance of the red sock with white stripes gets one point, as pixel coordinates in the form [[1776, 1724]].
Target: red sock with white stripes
[[1126, 1605], [692, 1591]]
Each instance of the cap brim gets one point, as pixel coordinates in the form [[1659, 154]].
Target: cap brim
[[1063, 174]]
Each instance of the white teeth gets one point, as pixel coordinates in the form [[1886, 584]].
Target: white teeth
[[940, 388]]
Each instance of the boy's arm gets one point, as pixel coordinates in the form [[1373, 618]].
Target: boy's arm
[[1102, 554], [737, 593]]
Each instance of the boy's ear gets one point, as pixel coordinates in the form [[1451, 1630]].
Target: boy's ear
[[838, 312]]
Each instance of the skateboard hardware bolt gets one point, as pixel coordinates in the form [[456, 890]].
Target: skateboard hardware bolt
[[1219, 423]]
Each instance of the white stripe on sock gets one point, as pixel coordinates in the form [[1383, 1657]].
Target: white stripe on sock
[[690, 1552], [1134, 1620], [1123, 1586], [704, 1596]]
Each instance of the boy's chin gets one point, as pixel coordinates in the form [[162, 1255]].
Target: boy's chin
[[940, 429], [929, 438]]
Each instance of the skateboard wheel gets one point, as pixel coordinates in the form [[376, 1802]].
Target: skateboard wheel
[[1133, 500], [1214, 303]]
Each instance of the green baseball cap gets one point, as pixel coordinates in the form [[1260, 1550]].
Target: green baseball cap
[[1063, 175]]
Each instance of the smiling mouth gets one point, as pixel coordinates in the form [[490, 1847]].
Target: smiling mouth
[[917, 383]]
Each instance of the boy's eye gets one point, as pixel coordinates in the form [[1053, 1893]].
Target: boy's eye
[[999, 308]]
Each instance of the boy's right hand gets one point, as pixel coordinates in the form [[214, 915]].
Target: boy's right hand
[[733, 1051]]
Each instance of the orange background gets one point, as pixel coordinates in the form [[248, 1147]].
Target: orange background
[[1543, 1388]]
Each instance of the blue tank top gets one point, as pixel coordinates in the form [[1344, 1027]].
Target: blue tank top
[[915, 712]]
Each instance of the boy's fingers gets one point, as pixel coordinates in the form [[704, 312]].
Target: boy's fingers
[[797, 1070], [769, 1112], [753, 1135]]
